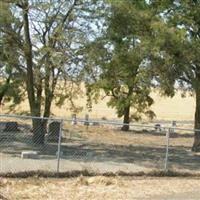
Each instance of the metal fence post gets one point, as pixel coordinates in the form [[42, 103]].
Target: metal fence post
[[1, 163], [59, 147], [167, 149]]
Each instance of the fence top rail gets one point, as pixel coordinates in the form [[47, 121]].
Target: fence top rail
[[103, 122]]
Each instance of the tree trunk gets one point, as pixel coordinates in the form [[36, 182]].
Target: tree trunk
[[38, 125], [47, 109], [4, 89], [48, 90], [39, 131], [29, 61], [196, 145], [126, 120]]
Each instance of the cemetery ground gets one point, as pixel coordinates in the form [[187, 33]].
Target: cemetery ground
[[100, 149]]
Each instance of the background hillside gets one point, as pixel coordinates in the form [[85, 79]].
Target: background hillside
[[176, 108]]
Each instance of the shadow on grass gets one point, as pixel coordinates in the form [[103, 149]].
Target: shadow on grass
[[86, 173]]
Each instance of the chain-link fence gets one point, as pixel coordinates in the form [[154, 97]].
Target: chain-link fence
[[25, 144], [60, 145], [181, 157]]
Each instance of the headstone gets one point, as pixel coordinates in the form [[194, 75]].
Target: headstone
[[104, 118], [54, 131], [2, 125], [173, 126], [174, 123], [86, 123], [29, 154], [74, 119], [157, 127], [11, 127]]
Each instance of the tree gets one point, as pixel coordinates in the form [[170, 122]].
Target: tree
[[179, 48], [50, 35], [118, 62], [10, 76]]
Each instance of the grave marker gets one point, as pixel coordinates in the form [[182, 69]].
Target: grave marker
[[54, 131], [11, 127]]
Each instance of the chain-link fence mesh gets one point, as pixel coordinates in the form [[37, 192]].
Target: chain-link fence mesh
[[26, 144], [181, 157], [104, 147], [60, 145]]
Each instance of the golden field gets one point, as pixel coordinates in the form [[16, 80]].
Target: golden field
[[165, 108]]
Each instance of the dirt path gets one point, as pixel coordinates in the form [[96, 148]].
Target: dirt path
[[97, 188]]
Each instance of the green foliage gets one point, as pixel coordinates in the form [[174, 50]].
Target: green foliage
[[176, 59], [121, 56], [11, 84], [46, 46]]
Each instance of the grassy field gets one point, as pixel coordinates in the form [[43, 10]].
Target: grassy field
[[98, 188], [176, 108]]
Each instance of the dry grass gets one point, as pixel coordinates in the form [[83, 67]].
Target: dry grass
[[105, 135], [82, 174], [176, 108], [99, 187]]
